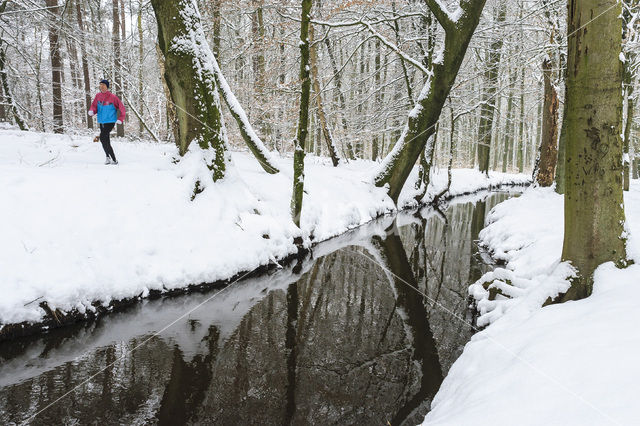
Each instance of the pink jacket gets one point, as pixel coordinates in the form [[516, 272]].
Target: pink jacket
[[106, 99]]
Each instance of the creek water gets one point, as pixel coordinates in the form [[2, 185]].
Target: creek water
[[345, 336]]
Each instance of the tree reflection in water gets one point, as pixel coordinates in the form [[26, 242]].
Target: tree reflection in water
[[340, 339]]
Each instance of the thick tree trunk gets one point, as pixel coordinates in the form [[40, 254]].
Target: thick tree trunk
[[190, 79], [298, 155], [487, 109], [548, 146], [422, 120], [56, 66], [593, 203], [326, 132]]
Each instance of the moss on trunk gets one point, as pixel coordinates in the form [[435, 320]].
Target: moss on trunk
[[303, 120], [190, 79]]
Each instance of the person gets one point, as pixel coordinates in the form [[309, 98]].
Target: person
[[105, 105]]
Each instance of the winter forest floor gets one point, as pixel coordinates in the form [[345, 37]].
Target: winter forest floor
[[570, 363], [77, 233]]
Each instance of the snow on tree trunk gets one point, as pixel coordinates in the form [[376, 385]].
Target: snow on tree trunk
[[298, 156], [249, 136], [189, 74], [459, 28], [593, 203]]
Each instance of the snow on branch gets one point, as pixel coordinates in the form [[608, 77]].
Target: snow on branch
[[374, 33], [447, 19]]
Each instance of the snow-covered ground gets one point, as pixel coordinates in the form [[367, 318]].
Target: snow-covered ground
[[572, 363], [75, 231]]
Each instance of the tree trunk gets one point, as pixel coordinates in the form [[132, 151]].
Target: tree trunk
[[562, 149], [171, 111], [326, 132], [56, 66], [548, 146], [249, 136], [141, 124], [507, 156], [593, 203], [487, 109], [422, 120], [298, 155], [7, 91], [85, 64], [628, 98], [191, 83], [259, 72], [217, 21], [117, 64], [336, 75]]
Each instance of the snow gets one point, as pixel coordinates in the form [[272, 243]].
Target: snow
[[570, 363], [75, 231]]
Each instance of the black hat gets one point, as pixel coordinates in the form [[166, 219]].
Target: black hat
[[105, 81]]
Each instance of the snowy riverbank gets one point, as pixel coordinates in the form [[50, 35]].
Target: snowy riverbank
[[571, 363], [75, 232]]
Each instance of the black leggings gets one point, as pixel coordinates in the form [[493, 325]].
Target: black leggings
[[105, 129]]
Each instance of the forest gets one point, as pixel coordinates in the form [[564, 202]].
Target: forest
[[456, 181]]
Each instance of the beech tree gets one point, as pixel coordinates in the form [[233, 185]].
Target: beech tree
[[303, 120], [488, 104], [459, 27], [190, 78], [593, 203]]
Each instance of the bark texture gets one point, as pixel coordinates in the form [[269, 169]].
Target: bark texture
[[56, 66], [189, 76], [593, 204], [548, 146]]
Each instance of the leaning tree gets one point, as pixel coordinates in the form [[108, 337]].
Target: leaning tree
[[459, 26]]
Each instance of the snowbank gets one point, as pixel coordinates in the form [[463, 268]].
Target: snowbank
[[75, 231], [573, 363]]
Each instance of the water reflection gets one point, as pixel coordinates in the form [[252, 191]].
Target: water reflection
[[338, 338]]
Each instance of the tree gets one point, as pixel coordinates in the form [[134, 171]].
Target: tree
[[593, 204], [298, 155], [326, 132], [190, 78], [56, 66], [488, 105], [548, 146], [85, 63], [459, 27]]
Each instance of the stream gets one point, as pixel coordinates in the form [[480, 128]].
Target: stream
[[344, 336]]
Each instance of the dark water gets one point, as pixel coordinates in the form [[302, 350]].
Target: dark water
[[340, 338]]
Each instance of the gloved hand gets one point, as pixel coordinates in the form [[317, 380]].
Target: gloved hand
[[118, 122], [90, 113]]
